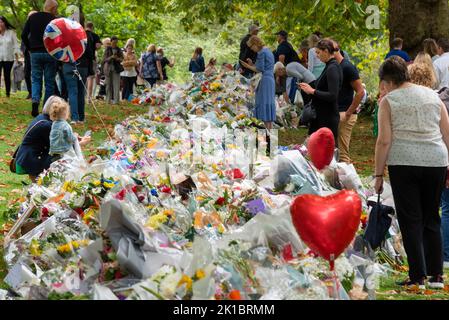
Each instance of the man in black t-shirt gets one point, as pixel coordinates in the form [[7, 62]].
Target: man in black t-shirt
[[94, 43], [285, 52], [246, 53], [347, 102]]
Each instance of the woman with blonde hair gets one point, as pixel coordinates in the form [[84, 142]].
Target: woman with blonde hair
[[265, 92], [129, 75], [422, 75], [425, 60], [150, 66]]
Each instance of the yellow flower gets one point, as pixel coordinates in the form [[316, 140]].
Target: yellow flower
[[199, 198], [39, 181], [143, 138], [155, 221], [64, 248], [160, 154], [221, 228], [35, 249], [97, 183], [240, 116], [185, 280], [152, 143], [200, 274], [186, 155], [68, 186], [140, 152], [108, 185], [168, 212]]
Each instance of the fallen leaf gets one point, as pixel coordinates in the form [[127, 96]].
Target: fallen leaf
[[3, 185]]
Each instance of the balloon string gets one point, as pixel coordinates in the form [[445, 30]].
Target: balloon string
[[77, 73]]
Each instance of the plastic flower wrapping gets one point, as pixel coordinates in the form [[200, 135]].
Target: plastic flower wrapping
[[177, 206]]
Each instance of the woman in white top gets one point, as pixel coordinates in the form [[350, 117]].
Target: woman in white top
[[414, 141], [9, 50]]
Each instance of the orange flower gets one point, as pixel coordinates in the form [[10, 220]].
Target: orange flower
[[235, 295]]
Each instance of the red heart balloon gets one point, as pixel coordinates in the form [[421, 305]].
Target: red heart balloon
[[321, 147], [327, 224]]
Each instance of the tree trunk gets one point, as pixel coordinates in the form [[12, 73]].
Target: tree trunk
[[416, 20]]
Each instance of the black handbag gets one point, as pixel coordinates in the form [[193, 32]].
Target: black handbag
[[118, 67], [378, 224], [308, 114]]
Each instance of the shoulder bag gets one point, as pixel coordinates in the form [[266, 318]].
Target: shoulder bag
[[308, 114]]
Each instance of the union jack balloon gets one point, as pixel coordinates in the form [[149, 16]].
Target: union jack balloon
[[65, 40]]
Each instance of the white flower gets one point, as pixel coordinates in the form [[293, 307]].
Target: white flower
[[169, 284]]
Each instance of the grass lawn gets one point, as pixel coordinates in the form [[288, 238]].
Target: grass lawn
[[15, 116]]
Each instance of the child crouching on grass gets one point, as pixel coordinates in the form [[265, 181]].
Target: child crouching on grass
[[62, 137]]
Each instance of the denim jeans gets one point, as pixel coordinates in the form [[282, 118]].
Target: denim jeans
[[76, 90], [43, 67], [445, 223]]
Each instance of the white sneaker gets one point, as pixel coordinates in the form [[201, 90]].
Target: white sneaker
[[436, 283], [446, 265]]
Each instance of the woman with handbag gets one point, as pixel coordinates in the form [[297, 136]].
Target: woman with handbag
[[325, 96], [413, 141], [265, 92], [112, 67], [31, 156]]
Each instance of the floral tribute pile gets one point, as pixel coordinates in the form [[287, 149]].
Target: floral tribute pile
[[177, 206]]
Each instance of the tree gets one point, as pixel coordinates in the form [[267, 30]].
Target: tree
[[416, 20]]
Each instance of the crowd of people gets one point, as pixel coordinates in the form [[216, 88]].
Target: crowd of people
[[321, 74], [112, 77]]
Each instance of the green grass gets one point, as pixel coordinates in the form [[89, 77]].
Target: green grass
[[15, 115]]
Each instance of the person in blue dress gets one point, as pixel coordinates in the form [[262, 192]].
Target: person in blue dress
[[265, 92]]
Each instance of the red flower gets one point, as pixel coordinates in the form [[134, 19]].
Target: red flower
[[287, 252], [166, 119], [44, 213], [235, 174], [220, 201], [134, 189], [121, 195], [166, 189], [118, 275], [80, 211]]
